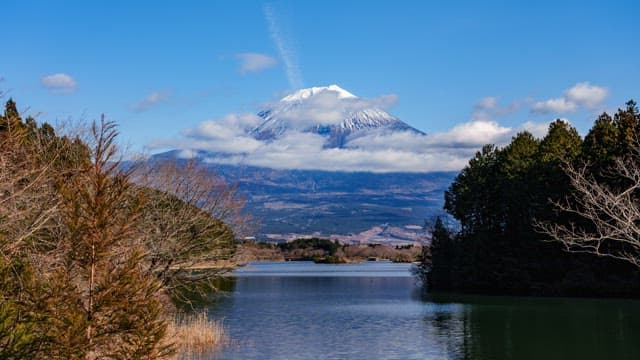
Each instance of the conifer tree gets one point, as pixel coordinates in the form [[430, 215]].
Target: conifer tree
[[600, 142], [442, 252], [120, 307]]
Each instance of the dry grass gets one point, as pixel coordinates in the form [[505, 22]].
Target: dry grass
[[196, 335]]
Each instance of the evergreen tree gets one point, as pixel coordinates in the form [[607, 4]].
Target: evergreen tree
[[502, 194], [11, 118], [121, 308], [627, 121], [471, 195], [562, 143], [438, 264], [600, 143]]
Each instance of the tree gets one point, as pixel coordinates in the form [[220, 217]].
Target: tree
[[471, 196], [29, 223], [600, 143], [438, 258], [189, 221], [120, 311], [503, 195], [627, 122], [605, 192], [518, 163], [611, 213], [562, 142], [11, 121], [561, 145], [77, 276]]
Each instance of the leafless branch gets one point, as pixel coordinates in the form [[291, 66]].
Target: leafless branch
[[191, 220], [610, 211]]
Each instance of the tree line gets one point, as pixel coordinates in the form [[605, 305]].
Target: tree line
[[93, 251], [529, 219]]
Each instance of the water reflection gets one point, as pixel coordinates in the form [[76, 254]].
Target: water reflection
[[204, 293], [310, 311], [536, 328]]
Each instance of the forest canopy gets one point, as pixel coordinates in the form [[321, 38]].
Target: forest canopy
[[505, 199]]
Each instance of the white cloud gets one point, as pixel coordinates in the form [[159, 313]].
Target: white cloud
[[228, 142], [473, 133], [254, 62], [538, 130], [229, 126], [59, 83], [228, 135], [558, 105], [581, 95], [312, 156], [586, 94], [153, 99], [283, 41]]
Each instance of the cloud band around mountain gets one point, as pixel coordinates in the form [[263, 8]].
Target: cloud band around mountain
[[229, 140], [226, 141]]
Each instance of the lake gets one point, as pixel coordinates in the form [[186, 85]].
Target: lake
[[373, 310]]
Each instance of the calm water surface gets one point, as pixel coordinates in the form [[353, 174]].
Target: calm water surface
[[302, 310]]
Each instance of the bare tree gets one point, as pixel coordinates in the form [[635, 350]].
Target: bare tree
[[609, 214], [191, 220], [26, 201]]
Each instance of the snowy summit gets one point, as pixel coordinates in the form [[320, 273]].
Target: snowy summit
[[309, 92], [330, 111]]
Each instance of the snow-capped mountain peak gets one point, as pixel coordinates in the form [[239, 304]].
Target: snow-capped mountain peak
[[337, 115], [303, 94]]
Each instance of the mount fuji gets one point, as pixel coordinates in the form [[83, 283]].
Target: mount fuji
[[330, 111], [351, 206]]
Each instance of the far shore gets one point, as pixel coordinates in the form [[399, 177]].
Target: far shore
[[336, 254]]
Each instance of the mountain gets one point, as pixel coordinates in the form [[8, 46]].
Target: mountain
[[348, 116], [348, 206], [340, 205]]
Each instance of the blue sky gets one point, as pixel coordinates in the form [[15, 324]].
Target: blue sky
[[158, 68]]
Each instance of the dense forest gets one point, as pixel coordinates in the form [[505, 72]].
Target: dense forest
[[93, 254], [523, 209]]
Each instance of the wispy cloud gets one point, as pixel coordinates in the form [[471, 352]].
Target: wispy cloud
[[254, 62], [557, 105], [487, 103], [282, 40], [488, 108], [153, 99], [581, 95], [59, 83]]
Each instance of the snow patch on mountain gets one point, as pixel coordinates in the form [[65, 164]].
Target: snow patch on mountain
[[309, 92]]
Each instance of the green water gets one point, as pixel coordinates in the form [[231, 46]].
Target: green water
[[375, 311]]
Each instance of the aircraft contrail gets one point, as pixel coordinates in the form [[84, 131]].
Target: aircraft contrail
[[283, 43]]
